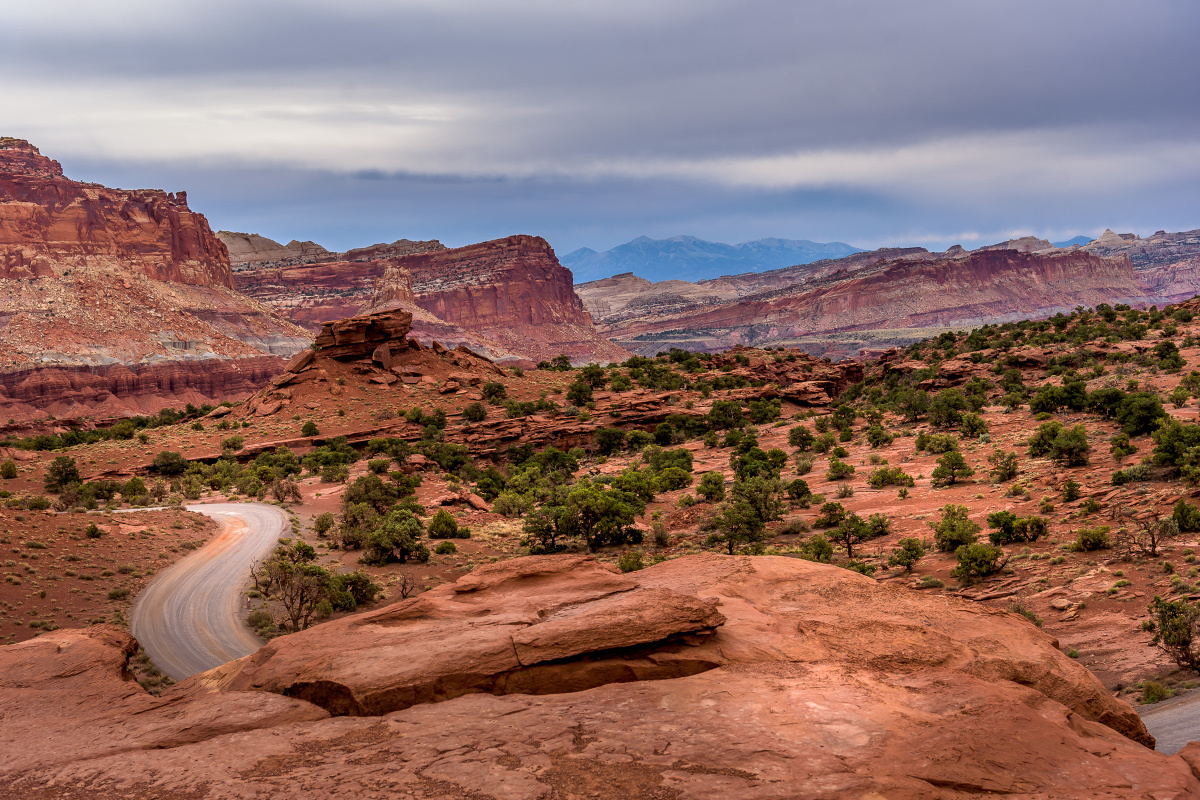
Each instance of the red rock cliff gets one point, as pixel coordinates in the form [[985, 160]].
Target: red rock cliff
[[49, 221], [509, 296], [115, 302], [909, 293]]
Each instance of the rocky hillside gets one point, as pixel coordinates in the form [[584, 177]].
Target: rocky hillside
[[556, 676], [870, 300], [509, 298], [249, 250], [115, 302]]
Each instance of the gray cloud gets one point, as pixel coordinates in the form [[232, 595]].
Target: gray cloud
[[854, 120]]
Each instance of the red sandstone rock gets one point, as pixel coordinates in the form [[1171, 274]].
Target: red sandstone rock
[[820, 684], [914, 291], [47, 219], [118, 302], [357, 337], [509, 296]]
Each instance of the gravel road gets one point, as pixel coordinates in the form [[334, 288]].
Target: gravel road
[[1173, 723], [190, 618]]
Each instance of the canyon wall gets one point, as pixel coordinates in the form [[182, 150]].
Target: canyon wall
[[509, 297], [891, 301], [116, 302], [49, 221], [1168, 264]]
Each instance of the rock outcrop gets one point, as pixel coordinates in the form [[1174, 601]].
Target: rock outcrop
[[1168, 264], [706, 676], [359, 337], [105, 293], [508, 298]]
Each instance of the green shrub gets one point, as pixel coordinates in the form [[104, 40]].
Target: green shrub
[[445, 548], [712, 487], [978, 561], [1154, 692], [907, 553], [830, 515], [630, 561], [800, 438], [889, 476], [1089, 539], [817, 548], [1004, 465], [951, 468], [444, 526], [955, 529], [838, 469]]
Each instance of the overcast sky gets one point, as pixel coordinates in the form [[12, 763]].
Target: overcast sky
[[591, 122]]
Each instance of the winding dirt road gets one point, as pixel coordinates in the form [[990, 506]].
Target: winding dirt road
[[189, 619]]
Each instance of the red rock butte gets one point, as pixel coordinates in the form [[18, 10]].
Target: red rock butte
[[118, 302]]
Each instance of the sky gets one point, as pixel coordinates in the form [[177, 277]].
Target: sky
[[591, 122]]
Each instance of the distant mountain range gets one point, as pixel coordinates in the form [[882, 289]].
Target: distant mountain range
[[1081, 239], [692, 259]]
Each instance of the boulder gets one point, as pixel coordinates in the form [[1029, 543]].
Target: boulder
[[301, 360]]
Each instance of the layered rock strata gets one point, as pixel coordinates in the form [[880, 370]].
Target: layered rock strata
[[49, 224], [508, 298], [909, 296], [116, 302], [706, 676]]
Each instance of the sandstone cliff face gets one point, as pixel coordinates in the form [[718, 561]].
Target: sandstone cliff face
[[509, 297], [914, 292], [49, 222], [703, 677], [118, 302], [1167, 263]]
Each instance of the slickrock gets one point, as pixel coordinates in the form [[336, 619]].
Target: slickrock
[[702, 677]]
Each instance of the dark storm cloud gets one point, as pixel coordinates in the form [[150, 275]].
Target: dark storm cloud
[[854, 120]]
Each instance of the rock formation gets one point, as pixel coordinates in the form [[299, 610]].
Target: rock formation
[[49, 224], [906, 295], [247, 250], [108, 293], [359, 337], [1168, 264], [508, 298], [705, 676]]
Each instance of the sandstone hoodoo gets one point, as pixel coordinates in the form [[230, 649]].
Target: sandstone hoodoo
[[117, 302], [556, 676], [508, 298]]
